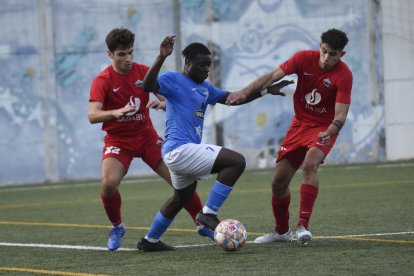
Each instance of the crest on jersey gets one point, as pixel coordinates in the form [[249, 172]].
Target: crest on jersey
[[326, 82]]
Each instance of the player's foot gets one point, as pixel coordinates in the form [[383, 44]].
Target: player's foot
[[275, 237], [303, 235], [115, 236], [205, 231], [146, 246], [209, 220]]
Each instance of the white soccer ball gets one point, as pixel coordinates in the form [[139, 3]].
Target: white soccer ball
[[230, 235]]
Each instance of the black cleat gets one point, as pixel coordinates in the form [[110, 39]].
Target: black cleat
[[209, 220], [146, 246]]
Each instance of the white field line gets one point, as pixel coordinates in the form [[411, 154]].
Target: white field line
[[365, 235], [97, 248]]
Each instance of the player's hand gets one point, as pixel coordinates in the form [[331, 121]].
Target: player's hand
[[118, 113], [157, 105], [167, 46], [275, 88], [324, 138], [235, 97]]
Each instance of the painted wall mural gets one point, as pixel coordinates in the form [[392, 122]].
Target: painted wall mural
[[50, 54]]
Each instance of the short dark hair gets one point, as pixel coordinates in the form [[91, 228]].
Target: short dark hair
[[337, 39], [120, 38], [195, 48]]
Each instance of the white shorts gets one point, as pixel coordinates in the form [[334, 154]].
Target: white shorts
[[190, 162]]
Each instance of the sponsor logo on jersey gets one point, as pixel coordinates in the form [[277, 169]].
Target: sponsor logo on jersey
[[115, 89], [318, 110], [133, 115], [136, 102], [313, 98], [199, 114]]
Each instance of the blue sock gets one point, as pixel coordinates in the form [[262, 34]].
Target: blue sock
[[218, 194], [158, 227]]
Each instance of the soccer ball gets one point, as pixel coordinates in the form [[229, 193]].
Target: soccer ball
[[230, 235]]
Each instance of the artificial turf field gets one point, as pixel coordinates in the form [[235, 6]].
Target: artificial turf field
[[363, 224]]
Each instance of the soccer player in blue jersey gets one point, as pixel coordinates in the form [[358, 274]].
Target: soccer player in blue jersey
[[187, 95]]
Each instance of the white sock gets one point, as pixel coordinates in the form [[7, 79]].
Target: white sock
[[207, 210], [151, 239]]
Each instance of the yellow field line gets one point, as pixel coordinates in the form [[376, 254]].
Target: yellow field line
[[72, 225], [379, 240], [50, 272], [69, 225], [53, 224]]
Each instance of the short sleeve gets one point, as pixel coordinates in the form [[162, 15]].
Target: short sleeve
[[344, 88], [166, 83], [215, 94], [98, 90], [291, 66]]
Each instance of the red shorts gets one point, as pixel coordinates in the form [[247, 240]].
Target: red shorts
[[300, 137], [147, 147]]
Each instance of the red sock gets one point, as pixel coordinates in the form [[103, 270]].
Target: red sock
[[194, 206], [280, 207], [112, 207], [308, 194]]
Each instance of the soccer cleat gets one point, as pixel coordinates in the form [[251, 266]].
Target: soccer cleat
[[303, 235], [205, 231], [115, 236], [275, 237], [209, 220], [146, 246]]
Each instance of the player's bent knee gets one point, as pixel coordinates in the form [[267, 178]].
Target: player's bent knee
[[109, 186], [310, 167], [240, 162]]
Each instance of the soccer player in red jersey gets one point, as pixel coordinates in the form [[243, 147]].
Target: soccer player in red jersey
[[122, 107], [321, 103]]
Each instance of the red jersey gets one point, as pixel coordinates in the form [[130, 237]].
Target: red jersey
[[317, 90], [114, 91]]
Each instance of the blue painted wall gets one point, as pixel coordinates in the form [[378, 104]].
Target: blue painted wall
[[49, 55]]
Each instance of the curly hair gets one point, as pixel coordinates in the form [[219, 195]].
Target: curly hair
[[337, 39], [193, 49], [120, 38]]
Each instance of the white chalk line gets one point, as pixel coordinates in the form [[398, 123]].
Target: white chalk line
[[99, 248]]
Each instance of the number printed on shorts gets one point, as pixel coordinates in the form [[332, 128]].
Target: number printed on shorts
[[112, 149]]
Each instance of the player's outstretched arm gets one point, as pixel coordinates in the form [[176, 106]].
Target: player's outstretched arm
[[255, 88], [274, 90], [150, 81]]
